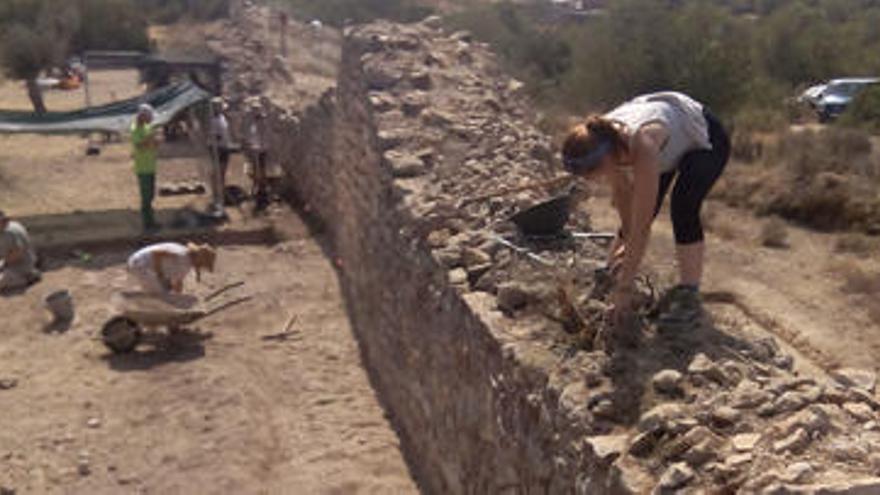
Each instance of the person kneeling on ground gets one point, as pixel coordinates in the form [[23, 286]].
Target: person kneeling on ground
[[162, 268], [18, 261], [640, 147]]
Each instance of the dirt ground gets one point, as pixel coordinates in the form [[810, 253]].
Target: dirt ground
[[794, 293], [50, 183], [234, 413], [220, 409]]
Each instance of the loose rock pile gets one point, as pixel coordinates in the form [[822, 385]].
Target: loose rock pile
[[453, 127], [693, 408]]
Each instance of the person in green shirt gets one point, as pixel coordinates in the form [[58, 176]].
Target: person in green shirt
[[145, 146]]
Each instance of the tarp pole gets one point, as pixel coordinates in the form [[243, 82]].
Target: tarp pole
[[86, 78], [283, 43], [214, 146]]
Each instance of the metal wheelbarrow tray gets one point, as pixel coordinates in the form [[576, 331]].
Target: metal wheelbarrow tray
[[136, 310]]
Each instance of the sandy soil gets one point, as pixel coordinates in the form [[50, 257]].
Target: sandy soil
[[51, 174], [50, 183], [219, 411], [234, 413]]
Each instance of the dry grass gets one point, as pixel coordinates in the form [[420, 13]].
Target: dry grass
[[774, 234], [874, 310], [858, 245], [855, 278], [861, 283], [824, 179], [719, 224]]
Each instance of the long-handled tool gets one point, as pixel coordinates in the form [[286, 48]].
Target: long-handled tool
[[522, 250]]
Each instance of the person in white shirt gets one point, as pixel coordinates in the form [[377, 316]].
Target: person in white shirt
[[220, 140], [255, 143], [162, 268], [641, 148]]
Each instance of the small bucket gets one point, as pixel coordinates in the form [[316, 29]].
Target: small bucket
[[60, 304], [544, 219]]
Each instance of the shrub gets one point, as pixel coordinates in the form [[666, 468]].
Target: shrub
[[864, 111], [823, 179], [774, 234], [857, 244], [338, 12], [169, 11], [857, 280]]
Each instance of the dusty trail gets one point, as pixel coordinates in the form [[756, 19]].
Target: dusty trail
[[234, 413]]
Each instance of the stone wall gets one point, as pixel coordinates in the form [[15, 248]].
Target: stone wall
[[491, 381], [472, 416]]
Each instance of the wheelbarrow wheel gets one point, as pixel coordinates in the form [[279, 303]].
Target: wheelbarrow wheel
[[121, 334]]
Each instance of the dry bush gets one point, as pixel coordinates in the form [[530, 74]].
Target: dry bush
[[822, 179], [722, 226], [855, 278], [746, 147], [774, 234], [874, 309], [857, 244]]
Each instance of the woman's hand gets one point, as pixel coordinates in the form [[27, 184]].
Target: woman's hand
[[616, 257], [621, 303]]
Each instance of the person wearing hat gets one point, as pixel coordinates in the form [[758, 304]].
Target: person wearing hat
[[255, 144], [145, 145], [162, 268], [641, 148], [220, 141], [18, 261]]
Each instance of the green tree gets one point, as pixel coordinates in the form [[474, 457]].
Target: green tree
[[35, 35]]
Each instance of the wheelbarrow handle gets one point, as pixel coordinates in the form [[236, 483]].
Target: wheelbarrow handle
[[223, 289], [225, 306]]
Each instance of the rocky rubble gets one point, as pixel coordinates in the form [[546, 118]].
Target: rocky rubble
[[742, 422], [691, 408]]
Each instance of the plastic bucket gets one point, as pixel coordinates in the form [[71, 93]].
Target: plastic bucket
[[60, 304]]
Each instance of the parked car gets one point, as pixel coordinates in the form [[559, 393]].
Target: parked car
[[831, 99]]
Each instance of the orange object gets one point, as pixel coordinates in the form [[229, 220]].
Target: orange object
[[69, 83]]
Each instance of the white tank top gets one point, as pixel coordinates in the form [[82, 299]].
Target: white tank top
[[174, 267], [681, 115]]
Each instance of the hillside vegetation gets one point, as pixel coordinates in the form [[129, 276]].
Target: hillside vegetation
[[744, 58]]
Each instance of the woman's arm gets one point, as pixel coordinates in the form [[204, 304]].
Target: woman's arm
[[646, 179], [621, 199]]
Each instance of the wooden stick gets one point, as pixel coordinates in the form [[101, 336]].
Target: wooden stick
[[289, 324], [223, 289], [226, 306], [286, 332]]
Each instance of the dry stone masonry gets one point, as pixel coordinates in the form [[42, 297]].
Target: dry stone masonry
[[491, 363]]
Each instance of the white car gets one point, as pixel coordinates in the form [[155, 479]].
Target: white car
[[831, 99]]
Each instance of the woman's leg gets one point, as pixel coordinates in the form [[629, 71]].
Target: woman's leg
[[698, 172]]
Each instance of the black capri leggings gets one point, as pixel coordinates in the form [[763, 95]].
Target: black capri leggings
[[697, 172]]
